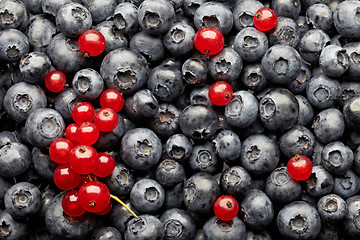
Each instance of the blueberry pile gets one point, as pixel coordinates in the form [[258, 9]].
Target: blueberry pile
[[200, 134]]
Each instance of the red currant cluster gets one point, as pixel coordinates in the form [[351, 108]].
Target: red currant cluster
[[80, 163]]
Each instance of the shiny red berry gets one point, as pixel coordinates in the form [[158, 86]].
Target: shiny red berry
[[105, 166], [106, 119], [59, 150], [86, 178], [70, 204], [65, 178], [91, 43], [111, 98], [55, 81], [94, 196], [220, 93], [265, 19], [87, 133], [299, 167], [226, 208], [209, 40], [83, 112], [106, 210], [70, 133], [83, 159]]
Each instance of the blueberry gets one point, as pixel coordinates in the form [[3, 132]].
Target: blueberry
[[107, 233], [174, 197], [227, 146], [352, 49], [345, 19], [334, 61], [40, 33], [179, 39], [200, 96], [303, 26], [88, 84], [235, 181], [286, 8], [253, 235], [144, 227], [12, 229], [15, 159], [259, 154], [217, 229], [13, 45], [51, 7], [347, 185], [331, 207], [178, 147], [286, 32], [299, 220], [203, 159], [34, 6], [244, 12], [190, 6], [194, 71], [351, 112], [253, 78], [120, 216], [100, 10], [42, 163], [301, 81], [178, 225], [169, 173], [114, 38], [34, 67], [120, 181], [125, 18], [47, 195], [4, 186], [337, 158], [311, 45], [65, 101], [320, 182], [351, 223], [150, 46], [356, 165], [145, 103], [13, 14], [349, 90], [320, 16]]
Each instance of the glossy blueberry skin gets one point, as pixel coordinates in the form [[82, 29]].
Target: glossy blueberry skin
[[303, 26], [107, 233], [352, 49], [178, 225], [253, 235], [150, 46], [15, 159], [42, 163], [242, 110], [311, 45], [194, 71], [200, 96], [52, 6], [72, 19], [337, 158], [279, 109], [190, 6], [100, 9], [22, 99], [281, 64], [114, 38], [217, 229], [144, 227], [166, 121], [19, 15], [227, 146], [214, 14], [250, 43], [259, 154], [178, 147], [120, 216], [12, 229], [350, 223], [344, 15], [334, 61], [174, 197], [347, 185], [200, 192], [179, 39], [301, 81], [40, 32], [244, 12], [63, 226], [34, 67], [320, 16], [198, 122], [65, 101], [331, 207], [320, 182], [88, 84], [145, 103], [328, 125], [124, 70], [281, 188], [256, 210], [120, 181], [125, 17], [349, 90], [235, 181], [286, 32], [13, 45], [204, 159], [140, 149], [156, 17], [169, 173], [352, 113], [4, 186], [299, 220], [253, 78], [356, 165], [286, 8], [65, 54]]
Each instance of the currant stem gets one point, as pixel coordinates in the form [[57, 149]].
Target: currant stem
[[123, 204]]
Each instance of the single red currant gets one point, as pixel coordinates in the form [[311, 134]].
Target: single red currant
[[59, 150], [94, 196], [226, 208], [209, 40], [220, 93], [87, 133], [91, 43], [83, 159], [111, 98], [55, 81], [105, 165], [106, 119], [106, 210], [83, 112], [70, 204], [70, 133], [265, 19], [299, 167], [65, 178]]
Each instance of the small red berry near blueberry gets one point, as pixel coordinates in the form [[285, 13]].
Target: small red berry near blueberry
[[94, 196], [105, 166], [83, 112], [83, 159], [70, 133], [87, 133], [265, 19], [65, 178], [106, 210], [113, 99], [91, 43], [59, 150], [220, 93], [55, 81], [209, 41], [299, 167], [70, 204], [106, 119], [226, 207]]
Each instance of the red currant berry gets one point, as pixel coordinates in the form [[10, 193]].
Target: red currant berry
[[70, 133], [209, 40], [220, 93], [55, 81], [226, 208], [299, 167], [65, 178], [59, 150], [105, 165], [111, 98], [265, 19], [106, 119], [87, 133], [86, 178], [70, 204], [83, 112], [83, 159], [106, 210], [91, 43], [94, 196]]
